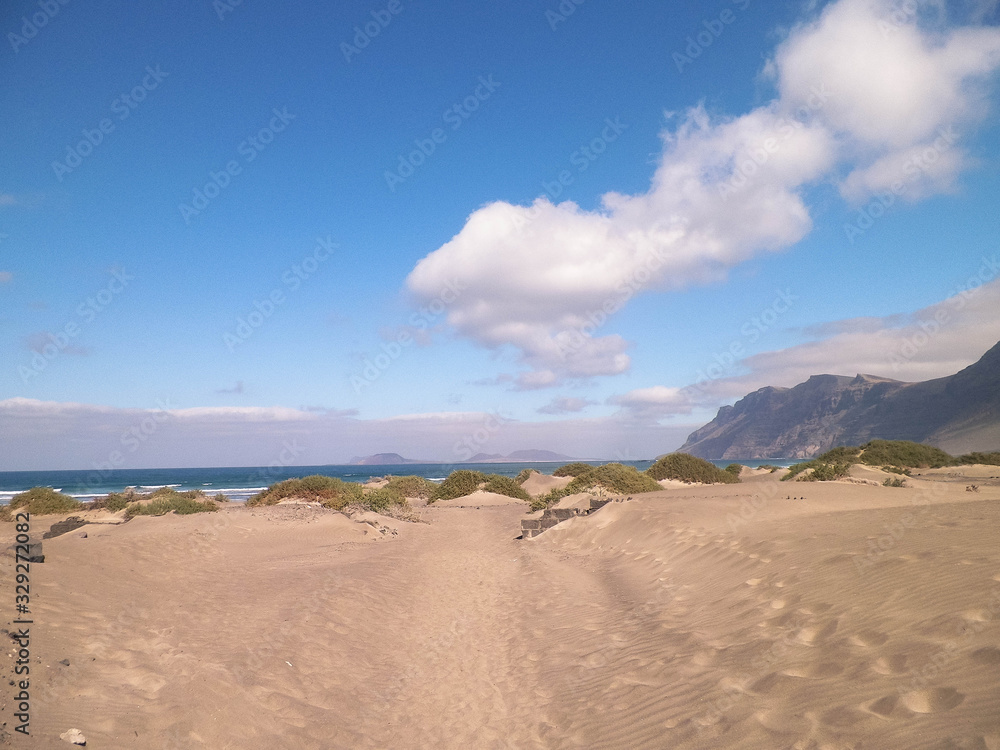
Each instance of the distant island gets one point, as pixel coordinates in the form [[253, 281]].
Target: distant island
[[959, 413], [385, 459]]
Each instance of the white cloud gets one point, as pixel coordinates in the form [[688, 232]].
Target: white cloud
[[6, 277], [936, 341], [853, 93]]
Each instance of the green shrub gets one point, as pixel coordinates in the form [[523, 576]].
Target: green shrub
[[840, 455], [688, 468], [181, 503], [411, 486], [572, 470], [905, 454], [458, 484], [770, 467], [894, 483], [615, 478], [525, 473], [505, 486], [382, 499], [116, 501], [41, 501], [329, 491], [734, 469], [823, 472], [896, 470], [986, 459]]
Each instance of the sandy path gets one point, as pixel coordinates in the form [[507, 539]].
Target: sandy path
[[235, 633]]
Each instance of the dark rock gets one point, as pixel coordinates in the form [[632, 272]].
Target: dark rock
[[64, 527]]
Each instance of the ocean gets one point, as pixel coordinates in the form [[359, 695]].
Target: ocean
[[240, 483]]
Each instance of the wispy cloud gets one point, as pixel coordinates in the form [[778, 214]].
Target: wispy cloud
[[565, 405], [236, 389], [933, 342]]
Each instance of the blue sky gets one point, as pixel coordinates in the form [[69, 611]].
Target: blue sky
[[122, 290]]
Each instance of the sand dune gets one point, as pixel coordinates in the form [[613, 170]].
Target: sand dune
[[763, 615]]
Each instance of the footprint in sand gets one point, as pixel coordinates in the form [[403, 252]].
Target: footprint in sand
[[884, 705], [815, 671], [869, 638], [933, 700], [988, 655], [894, 664], [816, 634]]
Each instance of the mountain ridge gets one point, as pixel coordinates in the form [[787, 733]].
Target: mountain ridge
[[958, 413]]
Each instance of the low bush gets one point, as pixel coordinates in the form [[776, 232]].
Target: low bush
[[167, 500], [615, 478], [687, 468], [458, 484], [411, 486], [843, 455], [382, 499], [896, 470], [42, 501], [572, 470], [770, 467], [734, 469], [905, 454], [525, 473], [987, 459], [505, 486], [823, 472], [894, 483], [328, 491]]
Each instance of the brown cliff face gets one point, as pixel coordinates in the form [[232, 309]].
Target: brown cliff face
[[959, 413]]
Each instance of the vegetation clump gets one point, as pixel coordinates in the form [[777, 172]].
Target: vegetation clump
[[572, 470], [986, 459], [904, 453], [465, 481], [167, 499], [897, 482], [687, 468], [834, 464], [614, 478], [411, 486], [40, 501], [523, 476], [330, 492]]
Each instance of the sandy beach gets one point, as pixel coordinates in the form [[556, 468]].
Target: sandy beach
[[766, 614]]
